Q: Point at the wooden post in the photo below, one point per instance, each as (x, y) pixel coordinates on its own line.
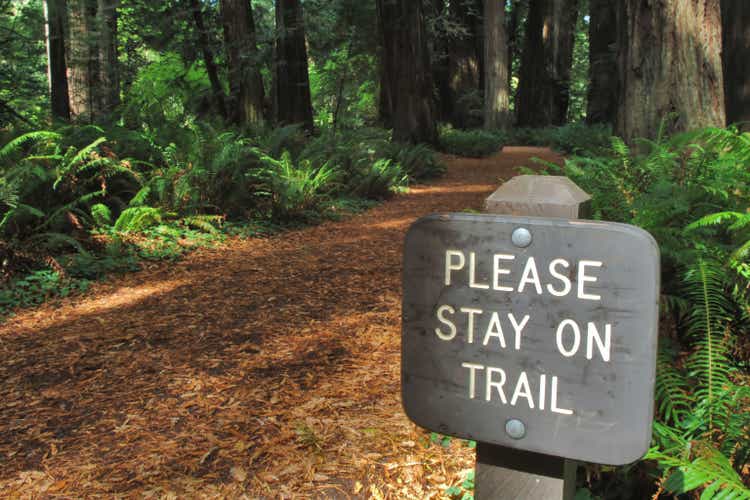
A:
(507, 473)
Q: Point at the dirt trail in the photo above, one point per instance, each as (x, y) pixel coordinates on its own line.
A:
(268, 367)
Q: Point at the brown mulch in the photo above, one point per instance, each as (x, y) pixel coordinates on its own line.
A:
(261, 368)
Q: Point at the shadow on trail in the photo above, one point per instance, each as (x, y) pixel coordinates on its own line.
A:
(178, 373)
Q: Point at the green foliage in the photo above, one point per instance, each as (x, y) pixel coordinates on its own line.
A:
(689, 465)
(576, 138)
(464, 489)
(379, 180)
(137, 219)
(419, 162)
(101, 215)
(296, 191)
(475, 143)
(36, 287)
(692, 192)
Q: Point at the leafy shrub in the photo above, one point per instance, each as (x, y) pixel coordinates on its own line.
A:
(377, 180)
(570, 138)
(475, 143)
(35, 288)
(692, 192)
(419, 162)
(137, 219)
(296, 191)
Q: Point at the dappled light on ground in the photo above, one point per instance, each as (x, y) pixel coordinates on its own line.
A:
(267, 367)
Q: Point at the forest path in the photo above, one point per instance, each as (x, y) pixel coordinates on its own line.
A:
(263, 366)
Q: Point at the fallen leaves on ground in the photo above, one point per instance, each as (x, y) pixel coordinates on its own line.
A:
(262, 368)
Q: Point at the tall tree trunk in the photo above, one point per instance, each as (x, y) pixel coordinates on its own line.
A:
(83, 60)
(411, 79)
(465, 61)
(440, 46)
(245, 81)
(544, 87)
(108, 88)
(496, 90)
(387, 11)
(669, 56)
(54, 14)
(602, 92)
(292, 82)
(208, 57)
(736, 60)
(514, 20)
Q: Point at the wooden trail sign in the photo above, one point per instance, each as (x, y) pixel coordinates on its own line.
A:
(532, 333)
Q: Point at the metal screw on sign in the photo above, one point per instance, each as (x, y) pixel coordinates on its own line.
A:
(521, 237)
(515, 428)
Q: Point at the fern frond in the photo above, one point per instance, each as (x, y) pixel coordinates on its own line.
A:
(19, 142)
(135, 219)
(204, 223)
(720, 218)
(705, 286)
(672, 388)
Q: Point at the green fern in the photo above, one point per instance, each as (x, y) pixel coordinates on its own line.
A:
(689, 467)
(674, 402)
(707, 324)
(16, 146)
(135, 219)
(101, 215)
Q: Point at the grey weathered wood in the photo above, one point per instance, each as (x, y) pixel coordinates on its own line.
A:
(504, 473)
(539, 195)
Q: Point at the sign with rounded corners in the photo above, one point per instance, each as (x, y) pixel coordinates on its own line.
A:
(532, 333)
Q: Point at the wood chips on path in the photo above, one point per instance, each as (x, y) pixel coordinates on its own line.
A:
(261, 368)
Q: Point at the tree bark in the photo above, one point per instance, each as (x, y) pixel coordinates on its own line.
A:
(208, 57)
(465, 61)
(292, 82)
(54, 14)
(669, 57)
(736, 60)
(496, 89)
(245, 81)
(513, 21)
(387, 12)
(544, 87)
(108, 88)
(408, 59)
(602, 92)
(83, 60)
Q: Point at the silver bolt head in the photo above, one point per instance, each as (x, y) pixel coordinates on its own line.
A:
(515, 428)
(521, 237)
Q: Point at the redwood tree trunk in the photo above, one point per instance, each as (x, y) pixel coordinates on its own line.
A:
(54, 13)
(292, 82)
(736, 59)
(496, 89)
(83, 60)
(669, 56)
(544, 87)
(93, 77)
(513, 22)
(108, 88)
(465, 55)
(413, 100)
(602, 93)
(208, 57)
(245, 81)
(387, 12)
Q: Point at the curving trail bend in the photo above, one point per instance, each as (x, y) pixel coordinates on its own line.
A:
(262, 368)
